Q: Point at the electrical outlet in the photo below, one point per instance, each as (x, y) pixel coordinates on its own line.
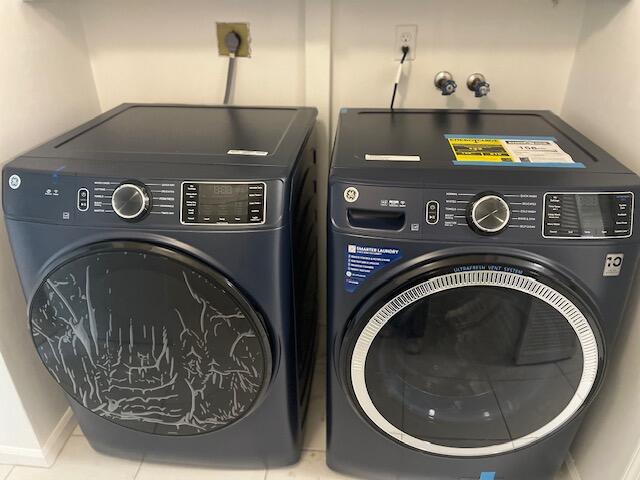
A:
(242, 29)
(405, 35)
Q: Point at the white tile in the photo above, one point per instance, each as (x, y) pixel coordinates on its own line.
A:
(155, 471)
(78, 461)
(4, 471)
(312, 466)
(316, 421)
(315, 436)
(77, 431)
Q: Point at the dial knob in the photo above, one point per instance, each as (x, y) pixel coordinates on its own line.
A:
(489, 214)
(131, 201)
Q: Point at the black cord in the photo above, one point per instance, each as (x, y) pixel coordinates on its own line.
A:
(405, 51)
(232, 41)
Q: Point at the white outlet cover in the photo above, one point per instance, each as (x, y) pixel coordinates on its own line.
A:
(405, 34)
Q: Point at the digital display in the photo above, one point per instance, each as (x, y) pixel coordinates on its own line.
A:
(223, 203)
(588, 215)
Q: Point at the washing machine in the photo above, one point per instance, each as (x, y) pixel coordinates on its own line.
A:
(168, 257)
(479, 267)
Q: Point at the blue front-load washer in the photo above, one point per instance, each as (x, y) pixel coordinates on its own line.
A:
(168, 257)
(479, 267)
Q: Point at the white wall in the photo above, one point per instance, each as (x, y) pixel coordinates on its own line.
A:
(166, 51)
(46, 86)
(525, 48)
(162, 50)
(608, 445)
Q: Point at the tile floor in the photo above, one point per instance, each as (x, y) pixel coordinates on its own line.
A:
(78, 461)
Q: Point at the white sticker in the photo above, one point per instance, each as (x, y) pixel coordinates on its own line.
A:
(15, 181)
(255, 153)
(613, 264)
(505, 151)
(351, 194)
(536, 151)
(393, 158)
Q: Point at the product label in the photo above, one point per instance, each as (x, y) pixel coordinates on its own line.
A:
(363, 261)
(253, 153)
(392, 158)
(613, 264)
(496, 150)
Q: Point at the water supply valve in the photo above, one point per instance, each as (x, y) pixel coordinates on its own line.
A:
(478, 85)
(445, 83)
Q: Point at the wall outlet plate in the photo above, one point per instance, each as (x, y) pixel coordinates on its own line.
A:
(405, 35)
(241, 29)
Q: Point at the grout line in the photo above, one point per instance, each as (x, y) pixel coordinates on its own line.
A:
(139, 468)
(634, 465)
(318, 450)
(6, 477)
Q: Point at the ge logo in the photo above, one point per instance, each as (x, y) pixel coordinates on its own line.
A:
(351, 194)
(613, 264)
(15, 181)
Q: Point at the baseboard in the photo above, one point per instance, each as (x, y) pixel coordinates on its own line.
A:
(45, 456)
(572, 468)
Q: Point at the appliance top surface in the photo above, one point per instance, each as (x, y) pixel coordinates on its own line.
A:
(422, 133)
(185, 134)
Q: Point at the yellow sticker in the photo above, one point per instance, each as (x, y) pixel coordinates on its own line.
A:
(479, 150)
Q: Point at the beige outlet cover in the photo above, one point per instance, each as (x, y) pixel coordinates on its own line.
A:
(241, 29)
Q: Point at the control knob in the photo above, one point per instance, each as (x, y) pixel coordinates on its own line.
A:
(488, 214)
(131, 201)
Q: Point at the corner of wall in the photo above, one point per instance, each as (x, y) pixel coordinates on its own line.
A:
(49, 90)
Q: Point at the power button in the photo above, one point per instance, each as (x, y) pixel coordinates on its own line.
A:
(83, 199)
(433, 212)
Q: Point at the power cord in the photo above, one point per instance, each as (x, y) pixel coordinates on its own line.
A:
(232, 41)
(405, 51)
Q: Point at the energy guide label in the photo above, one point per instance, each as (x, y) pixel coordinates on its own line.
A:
(497, 150)
(363, 261)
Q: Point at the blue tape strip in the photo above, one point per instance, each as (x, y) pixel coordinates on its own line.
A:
(501, 137)
(519, 164)
(488, 476)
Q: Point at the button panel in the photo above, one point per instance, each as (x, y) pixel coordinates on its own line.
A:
(433, 212)
(220, 203)
(588, 215)
(83, 199)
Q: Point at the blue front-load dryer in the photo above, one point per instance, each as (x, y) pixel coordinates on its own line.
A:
(168, 257)
(479, 267)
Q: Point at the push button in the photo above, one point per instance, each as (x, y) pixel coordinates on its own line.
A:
(83, 199)
(433, 212)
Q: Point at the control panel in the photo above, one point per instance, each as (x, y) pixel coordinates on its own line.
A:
(132, 200)
(490, 212)
(467, 213)
(146, 202)
(223, 203)
(588, 215)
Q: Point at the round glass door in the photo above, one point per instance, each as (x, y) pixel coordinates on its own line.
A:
(150, 339)
(473, 361)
